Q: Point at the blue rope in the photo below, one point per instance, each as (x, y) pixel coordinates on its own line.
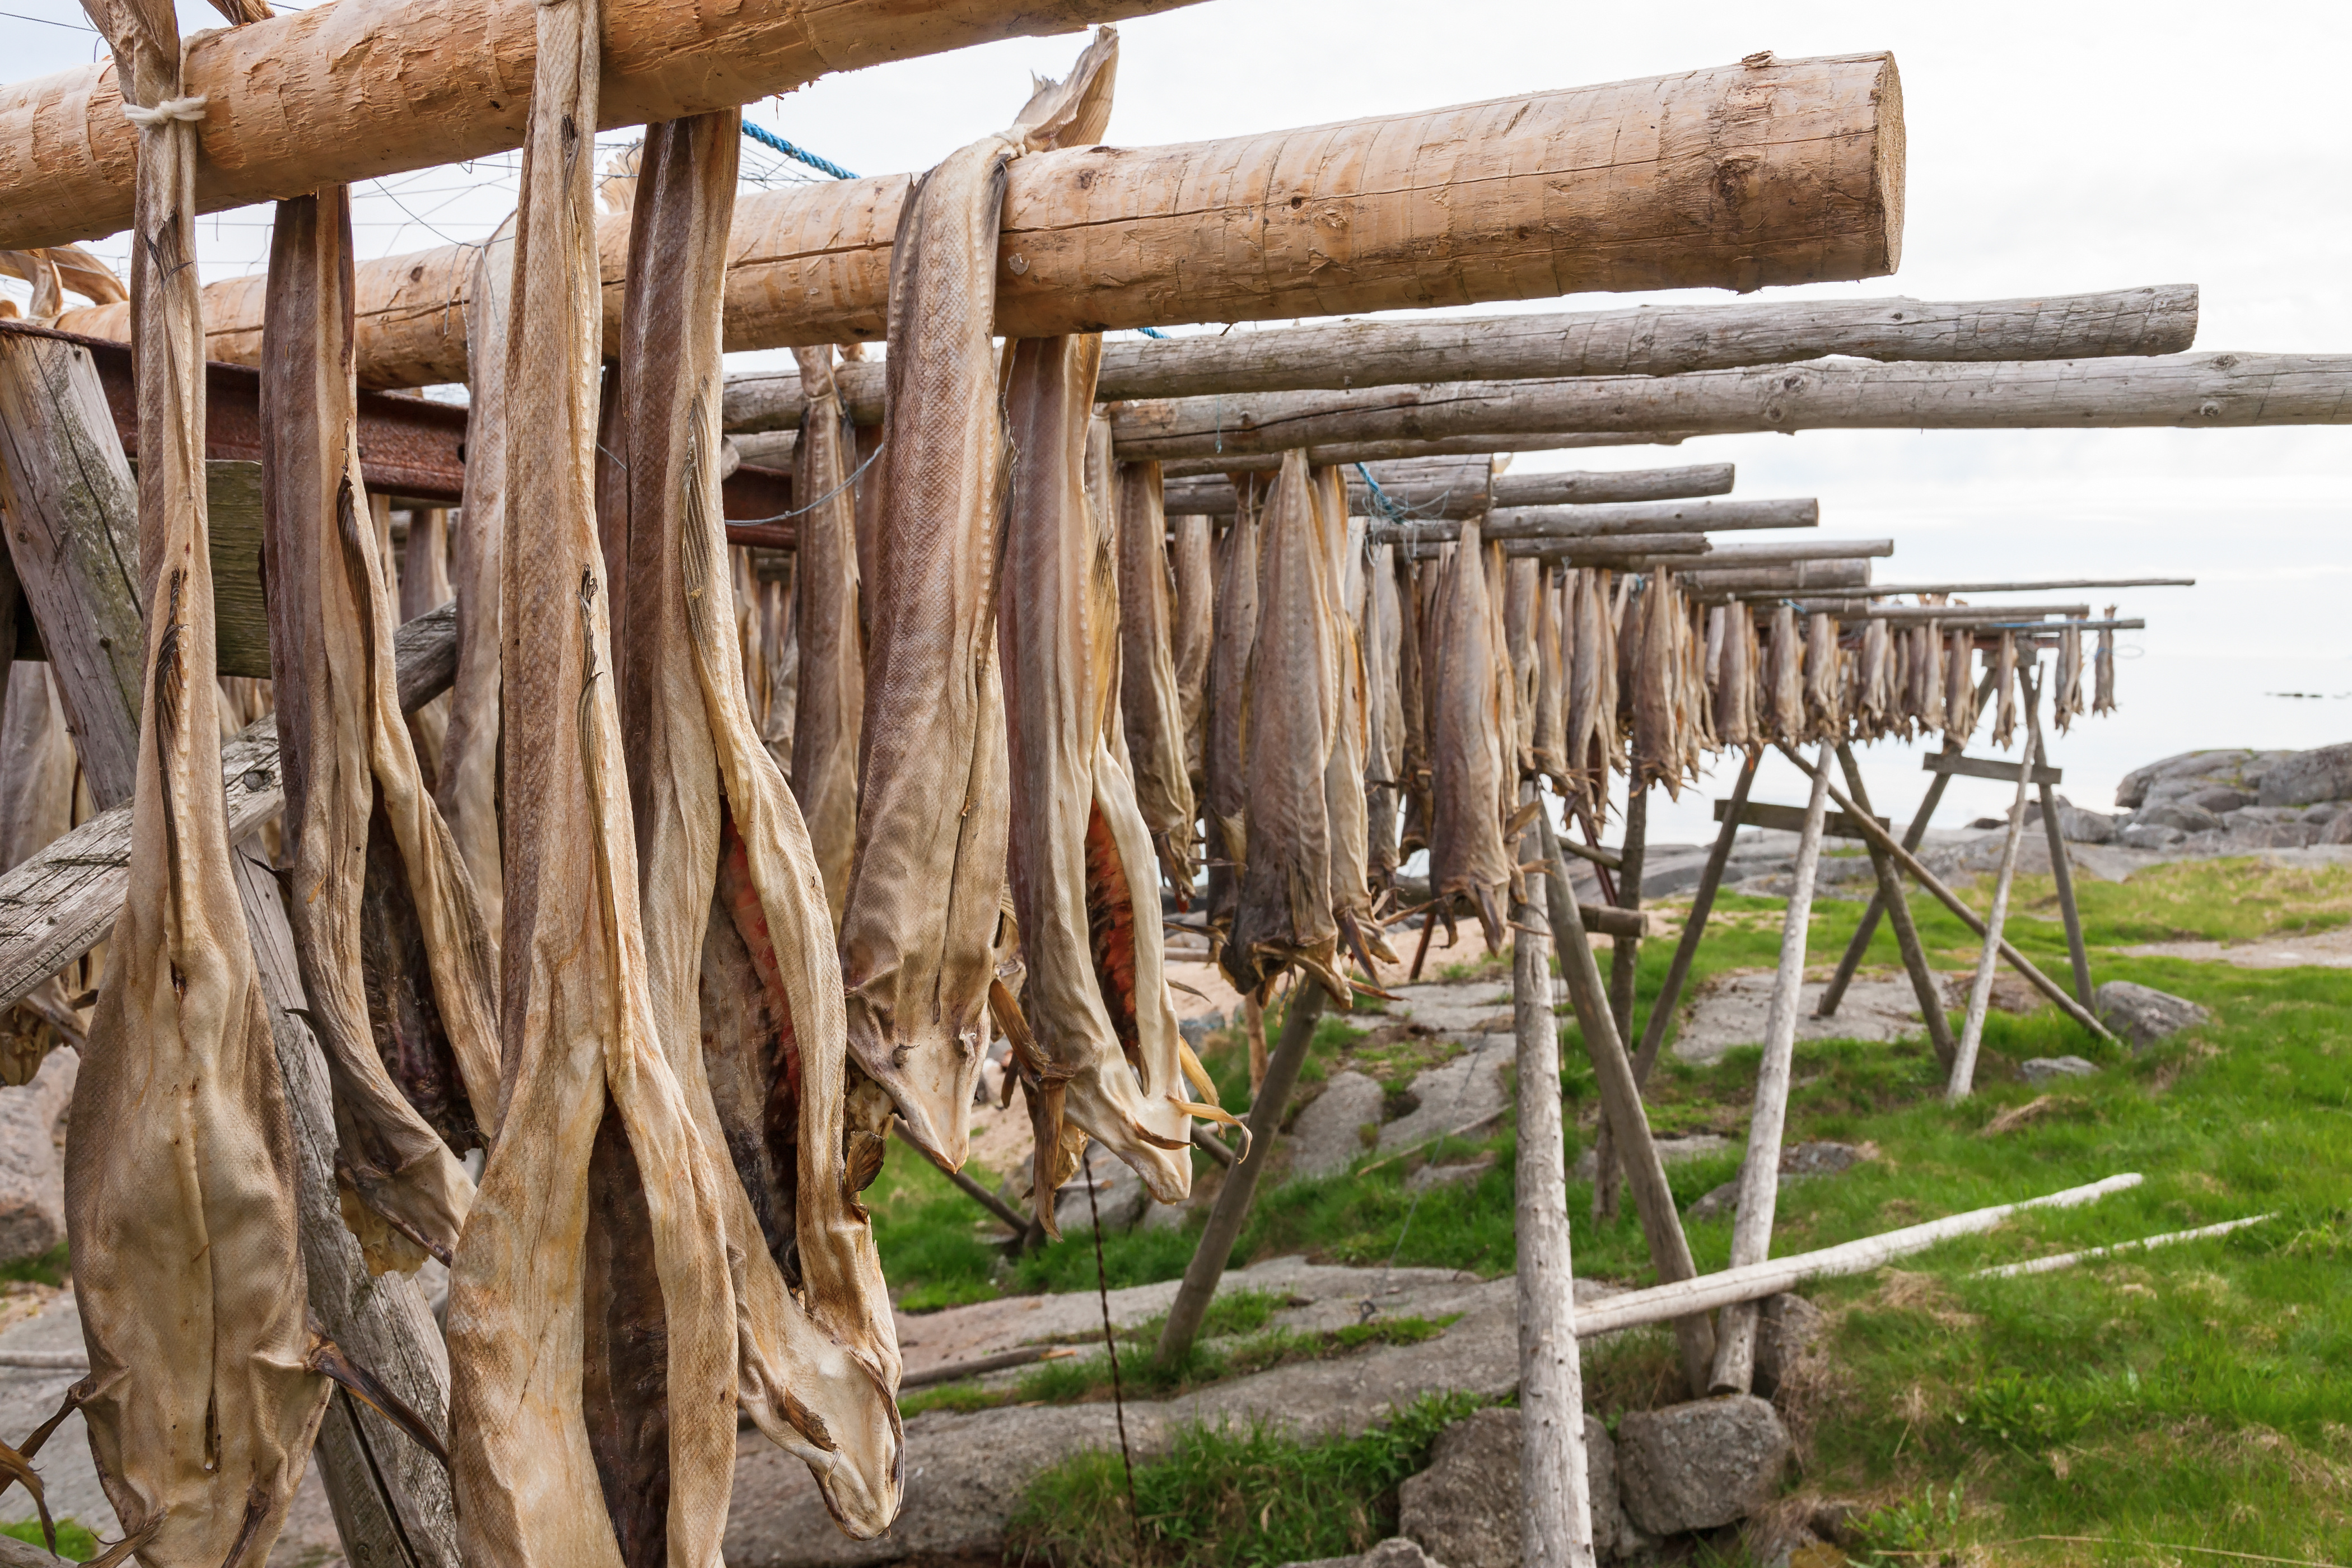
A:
(1152, 331)
(1395, 512)
(767, 138)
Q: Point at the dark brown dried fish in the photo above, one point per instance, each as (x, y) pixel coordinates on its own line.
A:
(1468, 765)
(1150, 700)
(1228, 777)
(1381, 631)
(829, 695)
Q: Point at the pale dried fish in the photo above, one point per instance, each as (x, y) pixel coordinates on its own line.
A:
(1468, 766)
(1150, 700)
(1549, 696)
(1228, 777)
(1824, 678)
(2066, 701)
(2004, 687)
(1193, 556)
(2103, 664)
(829, 695)
(1343, 775)
(1381, 631)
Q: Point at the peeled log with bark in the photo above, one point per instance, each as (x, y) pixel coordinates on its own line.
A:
(1670, 340)
(2204, 391)
(1771, 581)
(394, 954)
(376, 86)
(1736, 176)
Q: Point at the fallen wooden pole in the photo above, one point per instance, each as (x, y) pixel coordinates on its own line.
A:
(1664, 1303)
(1759, 1168)
(2202, 391)
(1270, 1099)
(1556, 1522)
(1960, 911)
(1621, 1107)
(1320, 220)
(1003, 1361)
(289, 109)
(2052, 1264)
(1964, 1060)
(1710, 880)
(1891, 898)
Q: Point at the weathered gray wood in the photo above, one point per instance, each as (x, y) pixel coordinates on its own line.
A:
(1834, 991)
(62, 901)
(1924, 988)
(1788, 551)
(1438, 495)
(1268, 1102)
(1957, 615)
(12, 599)
(1620, 1102)
(2219, 390)
(1710, 881)
(1650, 341)
(2048, 585)
(1637, 520)
(73, 531)
(2061, 870)
(1962, 1082)
(1345, 452)
(1759, 1170)
(1986, 768)
(1631, 551)
(1776, 582)
(1792, 818)
(233, 539)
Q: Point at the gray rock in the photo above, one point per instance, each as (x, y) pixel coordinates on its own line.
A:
(2226, 765)
(2338, 829)
(2077, 826)
(1327, 1132)
(2148, 835)
(2183, 815)
(2041, 1069)
(1120, 1195)
(1453, 1092)
(1820, 1158)
(2274, 834)
(1464, 1508)
(2143, 1014)
(1196, 1031)
(2302, 777)
(32, 1178)
(1787, 1330)
(1671, 1152)
(1430, 1177)
(1395, 1552)
(1694, 1466)
(2221, 799)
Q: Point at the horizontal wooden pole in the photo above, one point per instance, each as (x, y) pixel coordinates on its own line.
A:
(1737, 176)
(1777, 582)
(1791, 818)
(1343, 453)
(62, 900)
(1631, 521)
(1786, 551)
(1987, 768)
(2215, 391)
(1667, 340)
(1664, 1303)
(1960, 614)
(2053, 586)
(337, 94)
(1212, 495)
(1627, 553)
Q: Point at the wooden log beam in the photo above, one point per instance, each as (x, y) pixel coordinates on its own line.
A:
(1633, 552)
(1341, 453)
(2048, 585)
(342, 93)
(1739, 176)
(62, 901)
(1669, 340)
(1594, 522)
(1426, 489)
(2215, 391)
(1952, 615)
(1777, 582)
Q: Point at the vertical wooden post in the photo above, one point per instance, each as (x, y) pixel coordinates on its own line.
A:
(2060, 869)
(1624, 967)
(1620, 1106)
(11, 594)
(1891, 898)
(73, 518)
(1964, 1063)
(1662, 1011)
(1555, 1516)
(1760, 1173)
(1232, 1207)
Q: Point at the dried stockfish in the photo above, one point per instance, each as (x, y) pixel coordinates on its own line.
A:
(1150, 701)
(1657, 667)
(1927, 674)
(1824, 677)
(395, 955)
(466, 785)
(2102, 665)
(2004, 687)
(424, 586)
(585, 1060)
(1226, 805)
(829, 695)
(1874, 679)
(1415, 585)
(201, 1401)
(1381, 631)
(1788, 683)
(1103, 1053)
(1468, 763)
(744, 984)
(1191, 634)
(2066, 701)
(1551, 692)
(779, 640)
(916, 934)
(1593, 690)
(1960, 689)
(1735, 673)
(1290, 722)
(1345, 803)
(1522, 590)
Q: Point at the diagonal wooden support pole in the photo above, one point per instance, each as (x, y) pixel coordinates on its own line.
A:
(1662, 1011)
(2062, 870)
(1924, 984)
(1621, 1105)
(1964, 1059)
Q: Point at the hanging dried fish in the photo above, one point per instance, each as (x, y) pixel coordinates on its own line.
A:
(1825, 684)
(180, 1163)
(424, 586)
(393, 953)
(1928, 666)
(1192, 631)
(1959, 687)
(1382, 630)
(1416, 587)
(1873, 679)
(2066, 705)
(2004, 686)
(1343, 776)
(1468, 761)
(2103, 665)
(1593, 692)
(1787, 684)
(466, 785)
(538, 1294)
(1550, 694)
(829, 692)
(1290, 723)
(1150, 702)
(1226, 807)
(1735, 686)
(917, 933)
(743, 982)
(780, 640)
(1522, 586)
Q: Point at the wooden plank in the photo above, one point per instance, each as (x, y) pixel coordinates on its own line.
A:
(1736, 176)
(1791, 818)
(1986, 768)
(56, 905)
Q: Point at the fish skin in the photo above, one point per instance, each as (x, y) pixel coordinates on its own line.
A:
(1522, 586)
(1228, 779)
(1381, 631)
(1290, 716)
(1150, 700)
(1192, 632)
(1468, 763)
(1825, 679)
(829, 698)
(1549, 732)
(1416, 591)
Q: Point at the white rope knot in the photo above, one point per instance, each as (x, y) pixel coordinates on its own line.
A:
(164, 113)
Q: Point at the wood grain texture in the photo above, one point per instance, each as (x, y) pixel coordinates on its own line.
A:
(1347, 453)
(60, 902)
(345, 92)
(1736, 177)
(2202, 391)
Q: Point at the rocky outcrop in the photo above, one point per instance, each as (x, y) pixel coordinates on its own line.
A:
(1695, 1466)
(1464, 1508)
(1328, 1132)
(2236, 802)
(2142, 1014)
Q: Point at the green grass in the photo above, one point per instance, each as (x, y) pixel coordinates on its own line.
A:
(2194, 1395)
(54, 1267)
(75, 1542)
(1237, 1496)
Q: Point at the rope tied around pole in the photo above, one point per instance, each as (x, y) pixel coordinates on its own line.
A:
(166, 112)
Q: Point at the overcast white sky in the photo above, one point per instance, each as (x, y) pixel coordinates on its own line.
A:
(2052, 148)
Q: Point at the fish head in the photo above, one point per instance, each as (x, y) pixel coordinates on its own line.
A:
(840, 1418)
(1152, 1133)
(931, 1073)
